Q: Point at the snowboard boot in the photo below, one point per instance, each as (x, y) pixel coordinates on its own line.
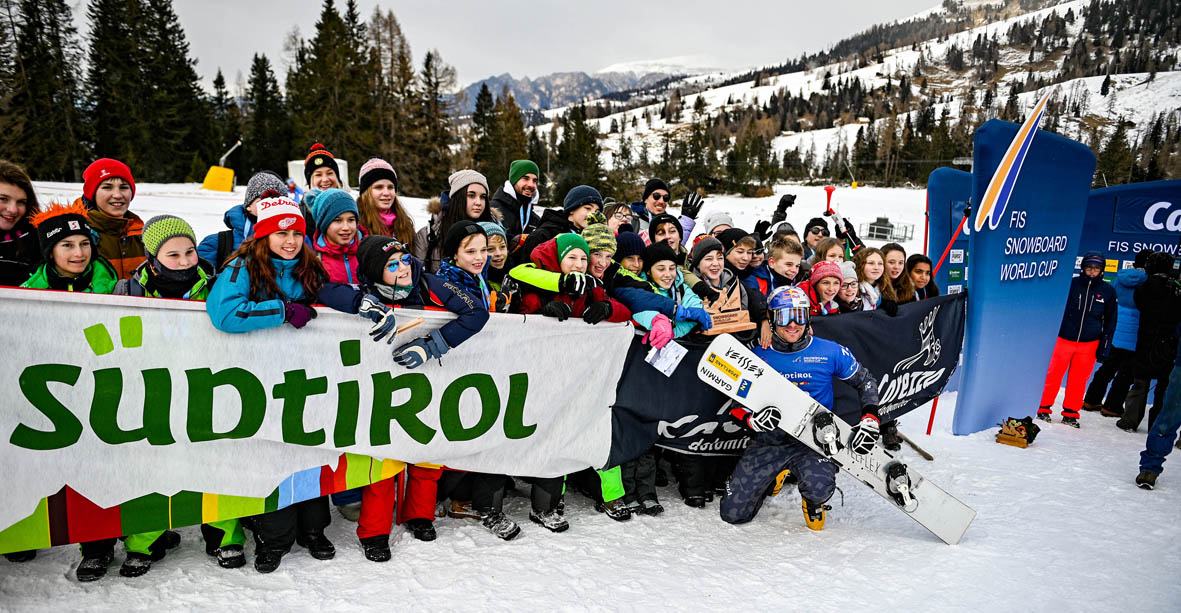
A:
(814, 514)
(1092, 407)
(93, 568)
(890, 438)
(422, 529)
(784, 478)
(17, 557)
(136, 564)
(231, 556)
(317, 544)
(499, 524)
(1146, 480)
(377, 548)
(350, 511)
(651, 507)
(267, 560)
(697, 502)
(462, 509)
(550, 520)
(1111, 411)
(615, 509)
(1045, 414)
(1070, 421)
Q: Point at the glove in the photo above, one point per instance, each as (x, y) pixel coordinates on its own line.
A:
(706, 292)
(418, 351)
(866, 432)
(696, 314)
(762, 230)
(573, 285)
(597, 312)
(764, 420)
(382, 317)
(889, 306)
(553, 308)
(660, 333)
(298, 314)
(691, 206)
(785, 202)
(1102, 353)
(850, 236)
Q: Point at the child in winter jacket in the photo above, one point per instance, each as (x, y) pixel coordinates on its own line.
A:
(823, 283)
(66, 239)
(896, 272)
(19, 253)
(107, 194)
(272, 279)
(217, 247)
(876, 290)
(1087, 326)
(919, 271)
(466, 199)
(381, 211)
(1123, 344)
(667, 280)
(708, 261)
(849, 295)
(337, 236)
(498, 264)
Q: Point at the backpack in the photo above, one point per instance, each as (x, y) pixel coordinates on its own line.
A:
(225, 248)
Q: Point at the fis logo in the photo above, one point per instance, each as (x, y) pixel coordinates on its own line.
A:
(1000, 187)
(743, 388)
(723, 366)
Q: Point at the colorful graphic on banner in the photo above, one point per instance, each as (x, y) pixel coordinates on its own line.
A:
(995, 200)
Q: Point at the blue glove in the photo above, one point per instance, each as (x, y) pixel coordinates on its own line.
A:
(418, 351)
(696, 314)
(382, 317)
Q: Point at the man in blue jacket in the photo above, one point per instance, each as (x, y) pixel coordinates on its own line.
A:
(1088, 324)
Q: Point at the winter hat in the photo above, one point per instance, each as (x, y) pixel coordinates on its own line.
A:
(161, 228)
(599, 238)
(459, 231)
(717, 218)
(784, 228)
(463, 178)
(567, 242)
(664, 218)
(580, 195)
(102, 169)
(653, 185)
(730, 237)
(373, 252)
(374, 170)
(703, 248)
(520, 168)
(657, 252)
(1142, 258)
(823, 269)
(848, 271)
(628, 244)
(276, 213)
(328, 204)
(261, 182)
(57, 222)
(318, 157)
(1093, 258)
(816, 222)
(491, 228)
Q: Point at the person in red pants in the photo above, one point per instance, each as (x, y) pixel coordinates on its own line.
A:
(1088, 324)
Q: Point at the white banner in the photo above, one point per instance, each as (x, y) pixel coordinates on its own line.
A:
(118, 397)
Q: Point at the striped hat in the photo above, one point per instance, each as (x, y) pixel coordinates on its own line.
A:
(159, 229)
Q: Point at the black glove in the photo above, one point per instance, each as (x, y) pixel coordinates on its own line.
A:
(706, 292)
(691, 206)
(573, 285)
(785, 202)
(850, 237)
(890, 307)
(762, 230)
(597, 312)
(554, 308)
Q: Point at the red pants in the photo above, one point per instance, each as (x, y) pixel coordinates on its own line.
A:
(379, 499)
(1079, 358)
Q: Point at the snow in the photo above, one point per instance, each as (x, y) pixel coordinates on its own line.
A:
(1060, 525)
(680, 64)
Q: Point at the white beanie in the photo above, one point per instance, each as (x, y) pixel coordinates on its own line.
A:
(848, 270)
(717, 218)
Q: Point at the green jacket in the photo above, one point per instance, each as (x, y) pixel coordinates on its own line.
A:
(140, 282)
(98, 278)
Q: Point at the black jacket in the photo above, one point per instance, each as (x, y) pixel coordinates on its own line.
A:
(510, 208)
(553, 223)
(20, 254)
(1159, 301)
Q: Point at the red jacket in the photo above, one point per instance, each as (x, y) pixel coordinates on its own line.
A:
(545, 257)
(817, 308)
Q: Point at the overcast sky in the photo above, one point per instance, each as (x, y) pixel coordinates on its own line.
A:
(481, 38)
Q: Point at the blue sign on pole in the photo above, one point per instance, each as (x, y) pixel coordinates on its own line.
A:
(948, 193)
(1124, 219)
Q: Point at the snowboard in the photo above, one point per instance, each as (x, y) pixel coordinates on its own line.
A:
(730, 367)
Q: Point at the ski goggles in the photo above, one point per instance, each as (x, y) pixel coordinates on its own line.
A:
(797, 315)
(393, 266)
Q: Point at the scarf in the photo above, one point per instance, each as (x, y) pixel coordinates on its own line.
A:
(393, 293)
(387, 217)
(473, 284)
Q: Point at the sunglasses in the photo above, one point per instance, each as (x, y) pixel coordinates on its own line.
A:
(820, 231)
(797, 315)
(659, 197)
(393, 266)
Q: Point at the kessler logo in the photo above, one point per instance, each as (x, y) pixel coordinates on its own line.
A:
(1000, 188)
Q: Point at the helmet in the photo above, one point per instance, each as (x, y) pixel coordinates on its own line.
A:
(788, 304)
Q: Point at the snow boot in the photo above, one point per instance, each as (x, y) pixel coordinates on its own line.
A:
(1111, 411)
(267, 560)
(550, 520)
(1070, 421)
(421, 529)
(651, 507)
(1045, 414)
(462, 509)
(166, 541)
(318, 545)
(350, 511)
(231, 556)
(377, 548)
(615, 509)
(136, 564)
(499, 524)
(17, 557)
(1122, 426)
(1092, 407)
(1146, 480)
(890, 438)
(636, 507)
(697, 502)
(784, 478)
(93, 568)
(814, 514)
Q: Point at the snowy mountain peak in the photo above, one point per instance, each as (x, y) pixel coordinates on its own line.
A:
(681, 64)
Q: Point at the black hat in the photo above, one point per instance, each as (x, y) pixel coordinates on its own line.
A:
(814, 222)
(1142, 258)
(665, 218)
(59, 221)
(628, 244)
(455, 235)
(730, 237)
(653, 185)
(657, 252)
(1158, 263)
(318, 157)
(373, 253)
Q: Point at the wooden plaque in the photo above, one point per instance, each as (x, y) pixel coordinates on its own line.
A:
(728, 315)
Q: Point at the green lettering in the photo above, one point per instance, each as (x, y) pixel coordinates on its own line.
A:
(449, 418)
(514, 410)
(104, 407)
(406, 413)
(66, 427)
(294, 391)
(202, 382)
(348, 398)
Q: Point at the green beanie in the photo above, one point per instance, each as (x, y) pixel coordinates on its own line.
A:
(160, 228)
(568, 241)
(520, 168)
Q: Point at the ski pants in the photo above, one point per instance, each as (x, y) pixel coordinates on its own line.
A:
(486, 490)
(378, 500)
(1079, 358)
(698, 475)
(1163, 432)
(639, 478)
(219, 534)
(1116, 370)
(1138, 400)
(769, 453)
(277, 530)
(132, 543)
(546, 493)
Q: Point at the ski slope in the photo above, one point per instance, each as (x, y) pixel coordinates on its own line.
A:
(1060, 525)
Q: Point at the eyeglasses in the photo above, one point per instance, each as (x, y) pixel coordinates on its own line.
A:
(797, 315)
(622, 215)
(393, 266)
(818, 230)
(849, 285)
(658, 197)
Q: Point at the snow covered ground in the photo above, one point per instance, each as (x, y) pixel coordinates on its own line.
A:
(1060, 525)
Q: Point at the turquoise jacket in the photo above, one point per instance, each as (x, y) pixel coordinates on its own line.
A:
(232, 310)
(681, 294)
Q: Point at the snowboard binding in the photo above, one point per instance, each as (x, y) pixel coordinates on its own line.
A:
(898, 484)
(825, 433)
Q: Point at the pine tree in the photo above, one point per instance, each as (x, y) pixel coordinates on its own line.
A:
(227, 123)
(119, 95)
(1116, 160)
(537, 151)
(437, 79)
(511, 143)
(577, 160)
(268, 134)
(399, 130)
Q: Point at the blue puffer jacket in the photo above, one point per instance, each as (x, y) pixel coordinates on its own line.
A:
(230, 307)
(236, 220)
(1090, 312)
(1128, 322)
